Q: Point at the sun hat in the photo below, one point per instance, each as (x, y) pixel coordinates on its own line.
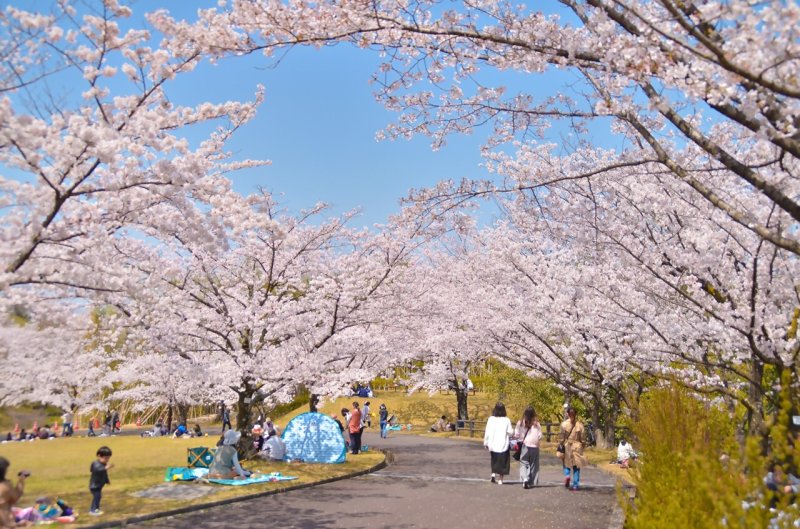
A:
(231, 438)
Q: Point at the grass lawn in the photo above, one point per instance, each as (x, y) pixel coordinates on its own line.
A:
(60, 467)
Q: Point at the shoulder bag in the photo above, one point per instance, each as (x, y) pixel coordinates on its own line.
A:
(518, 450)
(561, 448)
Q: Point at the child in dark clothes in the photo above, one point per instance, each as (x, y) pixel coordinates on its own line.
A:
(99, 470)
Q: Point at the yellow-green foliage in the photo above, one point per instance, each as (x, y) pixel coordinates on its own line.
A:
(695, 474)
(682, 475)
(518, 391)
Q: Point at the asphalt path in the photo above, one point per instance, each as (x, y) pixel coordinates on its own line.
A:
(431, 483)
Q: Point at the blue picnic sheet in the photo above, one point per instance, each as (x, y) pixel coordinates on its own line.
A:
(189, 474)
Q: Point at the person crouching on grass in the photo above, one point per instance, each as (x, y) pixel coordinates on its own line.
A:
(99, 479)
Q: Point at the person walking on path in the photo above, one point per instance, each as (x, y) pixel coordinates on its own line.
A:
(496, 440)
(383, 415)
(529, 433)
(226, 418)
(571, 437)
(355, 427)
(99, 478)
(9, 494)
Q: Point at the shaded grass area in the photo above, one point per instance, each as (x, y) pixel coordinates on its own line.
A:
(60, 468)
(26, 415)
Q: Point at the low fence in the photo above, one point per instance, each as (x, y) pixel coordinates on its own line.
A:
(550, 430)
(402, 387)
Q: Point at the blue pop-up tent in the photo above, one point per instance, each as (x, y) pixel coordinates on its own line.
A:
(314, 438)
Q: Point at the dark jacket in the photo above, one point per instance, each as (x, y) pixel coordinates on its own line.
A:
(99, 475)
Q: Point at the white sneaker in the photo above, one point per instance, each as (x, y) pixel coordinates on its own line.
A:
(95, 513)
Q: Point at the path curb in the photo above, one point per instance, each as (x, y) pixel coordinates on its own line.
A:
(388, 458)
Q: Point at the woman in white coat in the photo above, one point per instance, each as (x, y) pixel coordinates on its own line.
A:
(496, 440)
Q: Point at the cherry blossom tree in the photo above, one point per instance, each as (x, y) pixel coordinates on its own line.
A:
(700, 196)
(108, 154)
(54, 364)
(447, 324)
(274, 301)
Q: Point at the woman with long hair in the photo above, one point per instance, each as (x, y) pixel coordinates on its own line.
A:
(529, 433)
(496, 440)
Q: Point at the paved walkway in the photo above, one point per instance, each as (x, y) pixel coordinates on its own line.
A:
(432, 483)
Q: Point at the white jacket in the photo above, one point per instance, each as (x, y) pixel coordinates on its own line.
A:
(625, 452)
(498, 432)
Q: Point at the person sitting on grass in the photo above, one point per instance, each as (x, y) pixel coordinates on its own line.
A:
(779, 481)
(180, 431)
(226, 460)
(275, 448)
(258, 437)
(197, 432)
(440, 425)
(626, 455)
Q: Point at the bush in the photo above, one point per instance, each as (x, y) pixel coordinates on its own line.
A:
(693, 472)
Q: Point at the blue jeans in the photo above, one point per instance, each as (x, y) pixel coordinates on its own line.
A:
(576, 475)
(96, 495)
(384, 432)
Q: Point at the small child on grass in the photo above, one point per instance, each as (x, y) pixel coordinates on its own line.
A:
(99, 470)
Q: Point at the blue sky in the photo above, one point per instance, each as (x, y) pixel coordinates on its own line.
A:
(318, 123)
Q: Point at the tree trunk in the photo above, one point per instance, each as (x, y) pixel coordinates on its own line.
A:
(461, 401)
(183, 413)
(169, 417)
(244, 418)
(606, 435)
(755, 417)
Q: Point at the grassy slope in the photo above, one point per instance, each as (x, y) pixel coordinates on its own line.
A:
(420, 409)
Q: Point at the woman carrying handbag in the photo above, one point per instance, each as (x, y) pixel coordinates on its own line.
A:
(571, 437)
(529, 433)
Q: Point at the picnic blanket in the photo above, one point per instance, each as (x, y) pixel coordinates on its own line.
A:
(255, 478)
(190, 474)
